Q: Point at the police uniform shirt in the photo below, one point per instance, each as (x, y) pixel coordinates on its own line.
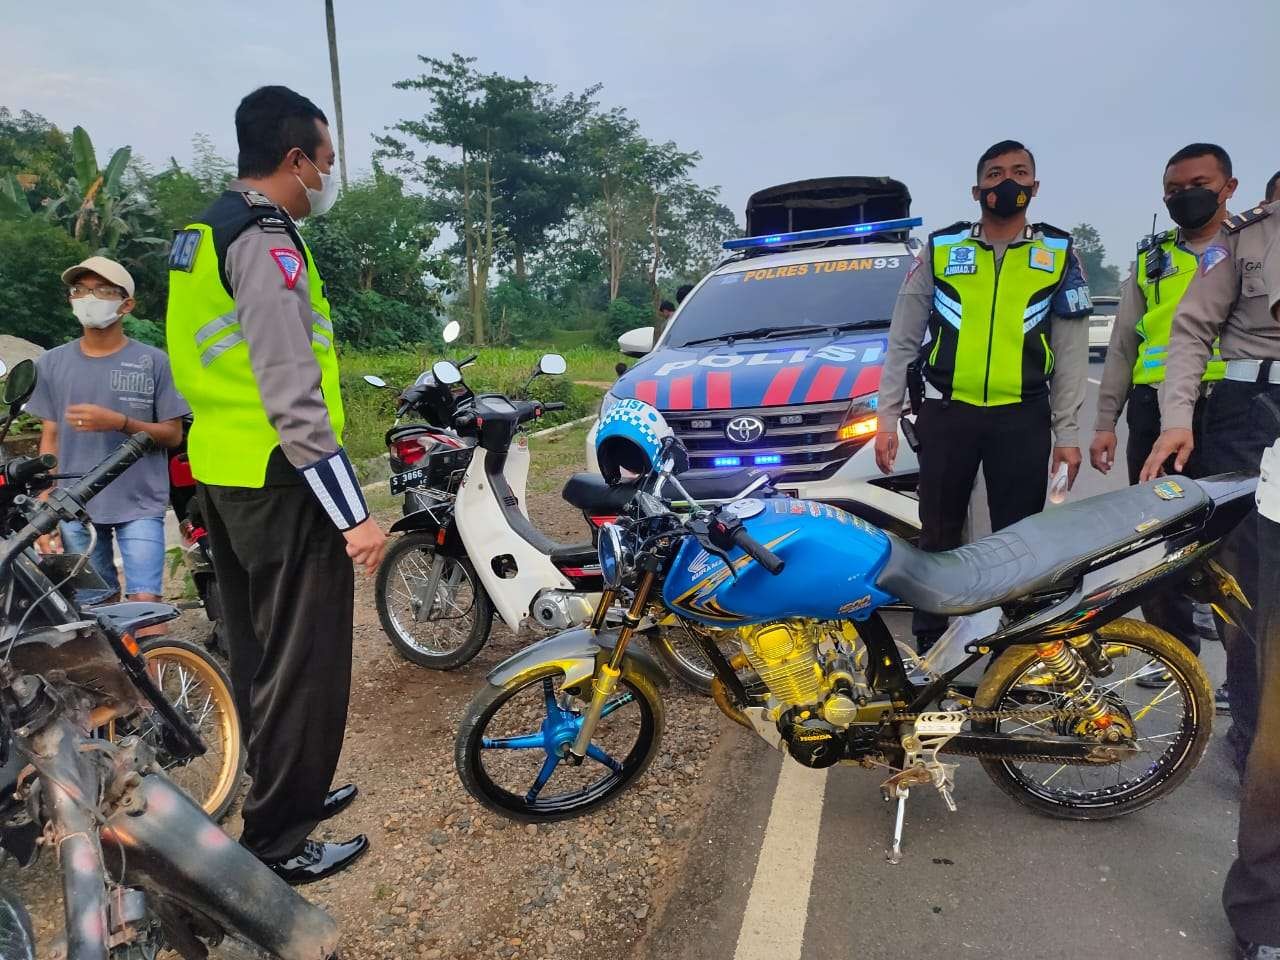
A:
(1234, 297)
(1069, 340)
(276, 322)
(1122, 351)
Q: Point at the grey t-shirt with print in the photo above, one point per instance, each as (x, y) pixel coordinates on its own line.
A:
(136, 381)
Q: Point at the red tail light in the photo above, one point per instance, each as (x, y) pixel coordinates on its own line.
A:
(411, 451)
(601, 521)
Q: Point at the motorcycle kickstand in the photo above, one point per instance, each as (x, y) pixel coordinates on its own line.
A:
(894, 854)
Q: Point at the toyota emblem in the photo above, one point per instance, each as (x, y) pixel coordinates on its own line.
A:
(744, 429)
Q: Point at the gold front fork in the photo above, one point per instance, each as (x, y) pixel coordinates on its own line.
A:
(608, 674)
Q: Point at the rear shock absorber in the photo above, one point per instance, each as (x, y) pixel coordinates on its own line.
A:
(1068, 670)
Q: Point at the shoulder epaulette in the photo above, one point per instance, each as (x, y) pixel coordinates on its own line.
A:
(960, 226)
(1154, 240)
(255, 199)
(1049, 230)
(1241, 220)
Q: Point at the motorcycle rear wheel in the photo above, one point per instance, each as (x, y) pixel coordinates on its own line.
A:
(530, 759)
(442, 643)
(1185, 704)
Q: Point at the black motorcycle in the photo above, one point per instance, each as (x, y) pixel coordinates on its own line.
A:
(143, 867)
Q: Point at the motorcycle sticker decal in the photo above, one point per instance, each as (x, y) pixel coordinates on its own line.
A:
(1169, 490)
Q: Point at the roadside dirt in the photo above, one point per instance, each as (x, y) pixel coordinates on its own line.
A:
(446, 879)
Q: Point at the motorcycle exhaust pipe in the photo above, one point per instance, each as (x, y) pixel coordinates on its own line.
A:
(721, 696)
(164, 843)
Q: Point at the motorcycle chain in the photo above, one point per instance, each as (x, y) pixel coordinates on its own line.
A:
(1027, 713)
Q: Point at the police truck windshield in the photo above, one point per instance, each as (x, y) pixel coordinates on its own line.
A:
(829, 293)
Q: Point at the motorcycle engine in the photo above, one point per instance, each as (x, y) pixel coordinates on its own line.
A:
(823, 709)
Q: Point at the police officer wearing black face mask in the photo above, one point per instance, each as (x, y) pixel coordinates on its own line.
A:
(1197, 185)
(999, 306)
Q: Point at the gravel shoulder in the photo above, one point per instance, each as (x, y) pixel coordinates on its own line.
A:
(447, 879)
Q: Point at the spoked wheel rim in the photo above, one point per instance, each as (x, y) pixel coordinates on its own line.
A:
(200, 694)
(519, 760)
(434, 623)
(1163, 723)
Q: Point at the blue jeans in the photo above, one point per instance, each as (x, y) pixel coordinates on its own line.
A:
(141, 544)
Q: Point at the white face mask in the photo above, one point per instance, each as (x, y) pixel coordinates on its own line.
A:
(94, 313)
(321, 200)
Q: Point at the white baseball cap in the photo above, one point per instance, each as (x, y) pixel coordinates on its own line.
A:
(106, 269)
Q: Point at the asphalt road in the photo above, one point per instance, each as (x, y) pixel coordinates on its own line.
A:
(790, 863)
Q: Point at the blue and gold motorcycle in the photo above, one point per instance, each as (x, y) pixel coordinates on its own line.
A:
(1057, 719)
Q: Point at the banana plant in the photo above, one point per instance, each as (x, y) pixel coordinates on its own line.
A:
(13, 199)
(94, 206)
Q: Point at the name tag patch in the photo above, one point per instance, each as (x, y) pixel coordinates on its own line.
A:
(182, 254)
(1042, 259)
(960, 260)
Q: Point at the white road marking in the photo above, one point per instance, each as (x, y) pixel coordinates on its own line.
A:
(1096, 383)
(773, 923)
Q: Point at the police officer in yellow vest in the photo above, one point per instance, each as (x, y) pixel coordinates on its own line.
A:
(1003, 302)
(251, 343)
(1197, 185)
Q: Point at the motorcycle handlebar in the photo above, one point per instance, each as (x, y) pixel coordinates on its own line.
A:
(553, 406)
(19, 473)
(120, 460)
(758, 551)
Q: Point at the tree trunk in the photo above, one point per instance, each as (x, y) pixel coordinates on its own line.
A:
(613, 239)
(657, 255)
(337, 90)
(468, 234)
(484, 258)
(521, 275)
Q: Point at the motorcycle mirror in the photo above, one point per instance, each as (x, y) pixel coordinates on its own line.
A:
(373, 381)
(20, 385)
(446, 372)
(552, 364)
(451, 331)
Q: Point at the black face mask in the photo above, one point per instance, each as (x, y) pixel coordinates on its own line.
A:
(1192, 208)
(1006, 199)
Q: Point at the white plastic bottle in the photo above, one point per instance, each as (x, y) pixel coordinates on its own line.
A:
(1058, 485)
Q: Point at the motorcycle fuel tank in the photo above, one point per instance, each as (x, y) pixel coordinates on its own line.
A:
(832, 561)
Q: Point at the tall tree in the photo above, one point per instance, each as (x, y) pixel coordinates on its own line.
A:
(490, 149)
(1103, 277)
(337, 89)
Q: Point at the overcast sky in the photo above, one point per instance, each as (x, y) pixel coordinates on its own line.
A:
(1102, 90)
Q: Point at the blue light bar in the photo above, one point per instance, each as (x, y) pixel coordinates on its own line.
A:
(766, 459)
(727, 462)
(825, 233)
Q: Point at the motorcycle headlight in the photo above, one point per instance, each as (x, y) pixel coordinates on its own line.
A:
(612, 556)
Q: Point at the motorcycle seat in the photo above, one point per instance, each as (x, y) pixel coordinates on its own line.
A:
(590, 492)
(134, 615)
(1039, 553)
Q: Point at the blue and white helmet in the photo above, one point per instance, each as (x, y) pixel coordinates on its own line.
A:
(630, 438)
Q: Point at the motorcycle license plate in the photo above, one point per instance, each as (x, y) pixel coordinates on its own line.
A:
(401, 482)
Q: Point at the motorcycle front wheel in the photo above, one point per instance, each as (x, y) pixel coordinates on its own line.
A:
(1171, 724)
(433, 608)
(511, 751)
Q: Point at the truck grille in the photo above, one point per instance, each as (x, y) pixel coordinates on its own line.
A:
(805, 438)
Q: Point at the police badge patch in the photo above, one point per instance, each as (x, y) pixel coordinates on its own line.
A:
(960, 260)
(182, 254)
(1043, 259)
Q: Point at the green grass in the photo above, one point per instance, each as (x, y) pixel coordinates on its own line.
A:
(550, 456)
(370, 411)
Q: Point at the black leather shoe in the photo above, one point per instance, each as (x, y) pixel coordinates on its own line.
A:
(338, 800)
(317, 860)
(1256, 951)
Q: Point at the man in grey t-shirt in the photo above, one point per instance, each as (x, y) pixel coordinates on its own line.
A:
(91, 394)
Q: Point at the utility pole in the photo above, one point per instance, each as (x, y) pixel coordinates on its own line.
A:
(337, 90)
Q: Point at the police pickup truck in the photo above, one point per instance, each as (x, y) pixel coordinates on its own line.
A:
(774, 359)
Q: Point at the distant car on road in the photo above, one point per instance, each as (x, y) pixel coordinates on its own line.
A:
(1100, 324)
